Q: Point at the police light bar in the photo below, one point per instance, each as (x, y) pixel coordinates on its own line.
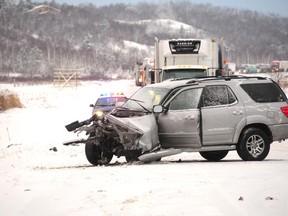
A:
(184, 46)
(117, 94)
(111, 94)
(104, 94)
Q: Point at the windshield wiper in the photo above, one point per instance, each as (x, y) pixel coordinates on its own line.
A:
(139, 103)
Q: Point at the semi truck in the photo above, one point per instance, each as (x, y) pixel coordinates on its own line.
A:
(180, 59)
(187, 58)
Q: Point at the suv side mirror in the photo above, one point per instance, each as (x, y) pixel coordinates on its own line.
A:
(91, 105)
(158, 109)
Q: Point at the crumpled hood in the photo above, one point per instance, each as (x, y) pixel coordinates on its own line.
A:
(138, 132)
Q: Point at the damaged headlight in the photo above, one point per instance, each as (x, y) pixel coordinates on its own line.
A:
(99, 114)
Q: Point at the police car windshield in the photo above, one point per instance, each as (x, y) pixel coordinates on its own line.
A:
(109, 101)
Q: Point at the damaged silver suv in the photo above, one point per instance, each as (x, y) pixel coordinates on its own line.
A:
(211, 116)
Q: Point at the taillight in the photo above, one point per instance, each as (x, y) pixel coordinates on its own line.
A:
(285, 110)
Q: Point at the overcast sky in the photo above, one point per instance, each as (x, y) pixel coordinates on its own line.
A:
(279, 7)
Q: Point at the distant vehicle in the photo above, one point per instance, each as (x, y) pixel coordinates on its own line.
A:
(275, 66)
(107, 102)
(279, 66)
(229, 68)
(263, 68)
(242, 70)
(251, 69)
(145, 72)
(283, 67)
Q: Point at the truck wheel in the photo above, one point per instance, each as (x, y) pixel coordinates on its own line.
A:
(214, 155)
(94, 155)
(253, 145)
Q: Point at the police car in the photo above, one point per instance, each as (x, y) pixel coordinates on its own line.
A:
(107, 102)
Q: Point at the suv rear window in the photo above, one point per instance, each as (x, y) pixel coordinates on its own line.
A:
(264, 92)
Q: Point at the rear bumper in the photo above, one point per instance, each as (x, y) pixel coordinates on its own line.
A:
(279, 132)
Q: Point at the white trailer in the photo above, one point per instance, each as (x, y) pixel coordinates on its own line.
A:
(187, 58)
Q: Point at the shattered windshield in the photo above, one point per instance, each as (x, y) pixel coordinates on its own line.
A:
(147, 97)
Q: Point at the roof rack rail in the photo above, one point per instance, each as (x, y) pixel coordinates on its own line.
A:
(226, 78)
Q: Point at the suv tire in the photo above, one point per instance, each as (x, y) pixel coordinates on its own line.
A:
(94, 155)
(253, 145)
(214, 155)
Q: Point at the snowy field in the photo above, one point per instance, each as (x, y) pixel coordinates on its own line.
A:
(35, 180)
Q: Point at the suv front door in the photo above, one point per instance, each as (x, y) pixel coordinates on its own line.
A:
(179, 125)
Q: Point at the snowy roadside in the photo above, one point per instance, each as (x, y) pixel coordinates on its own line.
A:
(38, 181)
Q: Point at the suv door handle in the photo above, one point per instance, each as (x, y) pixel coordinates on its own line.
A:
(190, 117)
(237, 112)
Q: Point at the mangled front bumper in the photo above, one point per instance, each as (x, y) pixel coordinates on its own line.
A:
(138, 132)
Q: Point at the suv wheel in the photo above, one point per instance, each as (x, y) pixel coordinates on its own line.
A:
(94, 155)
(253, 145)
(214, 155)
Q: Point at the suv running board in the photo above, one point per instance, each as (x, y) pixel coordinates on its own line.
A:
(154, 156)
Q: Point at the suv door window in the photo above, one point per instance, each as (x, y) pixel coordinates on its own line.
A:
(217, 95)
(188, 99)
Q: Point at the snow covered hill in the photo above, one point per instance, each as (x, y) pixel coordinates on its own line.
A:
(160, 26)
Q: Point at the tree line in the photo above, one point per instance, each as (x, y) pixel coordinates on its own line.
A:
(93, 38)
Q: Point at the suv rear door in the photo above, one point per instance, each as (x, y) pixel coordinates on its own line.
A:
(221, 114)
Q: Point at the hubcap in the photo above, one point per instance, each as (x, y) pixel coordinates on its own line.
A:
(255, 145)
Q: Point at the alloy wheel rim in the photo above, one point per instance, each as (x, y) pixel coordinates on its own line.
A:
(255, 145)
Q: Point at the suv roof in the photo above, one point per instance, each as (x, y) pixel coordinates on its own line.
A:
(172, 83)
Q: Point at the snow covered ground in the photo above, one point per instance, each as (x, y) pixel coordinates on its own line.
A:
(35, 180)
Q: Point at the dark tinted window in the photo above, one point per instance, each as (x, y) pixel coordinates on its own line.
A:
(217, 95)
(264, 92)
